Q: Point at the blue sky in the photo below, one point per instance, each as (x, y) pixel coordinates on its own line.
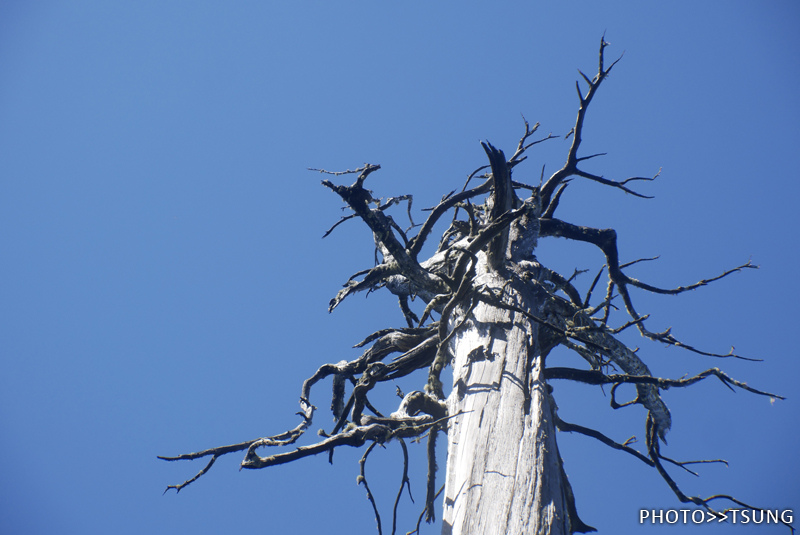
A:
(163, 284)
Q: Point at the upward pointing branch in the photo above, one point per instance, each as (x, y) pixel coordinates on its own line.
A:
(502, 202)
(571, 166)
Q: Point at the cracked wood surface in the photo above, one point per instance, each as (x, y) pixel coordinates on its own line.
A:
(503, 442)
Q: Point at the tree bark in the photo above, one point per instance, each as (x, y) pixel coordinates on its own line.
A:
(504, 472)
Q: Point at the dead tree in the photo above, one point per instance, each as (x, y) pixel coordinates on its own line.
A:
(484, 305)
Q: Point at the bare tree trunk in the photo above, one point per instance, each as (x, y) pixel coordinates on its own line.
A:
(504, 472)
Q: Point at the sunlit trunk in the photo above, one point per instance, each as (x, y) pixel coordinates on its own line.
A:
(504, 471)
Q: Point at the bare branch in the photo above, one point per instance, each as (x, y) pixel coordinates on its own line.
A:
(404, 483)
(374, 278)
(551, 208)
(358, 198)
(430, 496)
(596, 377)
(282, 439)
(419, 240)
(588, 297)
(356, 436)
(366, 167)
(681, 289)
(362, 480)
(618, 185)
(570, 167)
(192, 480)
(589, 432)
(342, 220)
(518, 157)
(606, 241)
(424, 513)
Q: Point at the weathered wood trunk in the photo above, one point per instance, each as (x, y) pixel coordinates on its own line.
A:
(504, 473)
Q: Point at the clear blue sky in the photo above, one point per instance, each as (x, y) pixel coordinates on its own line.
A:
(163, 284)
